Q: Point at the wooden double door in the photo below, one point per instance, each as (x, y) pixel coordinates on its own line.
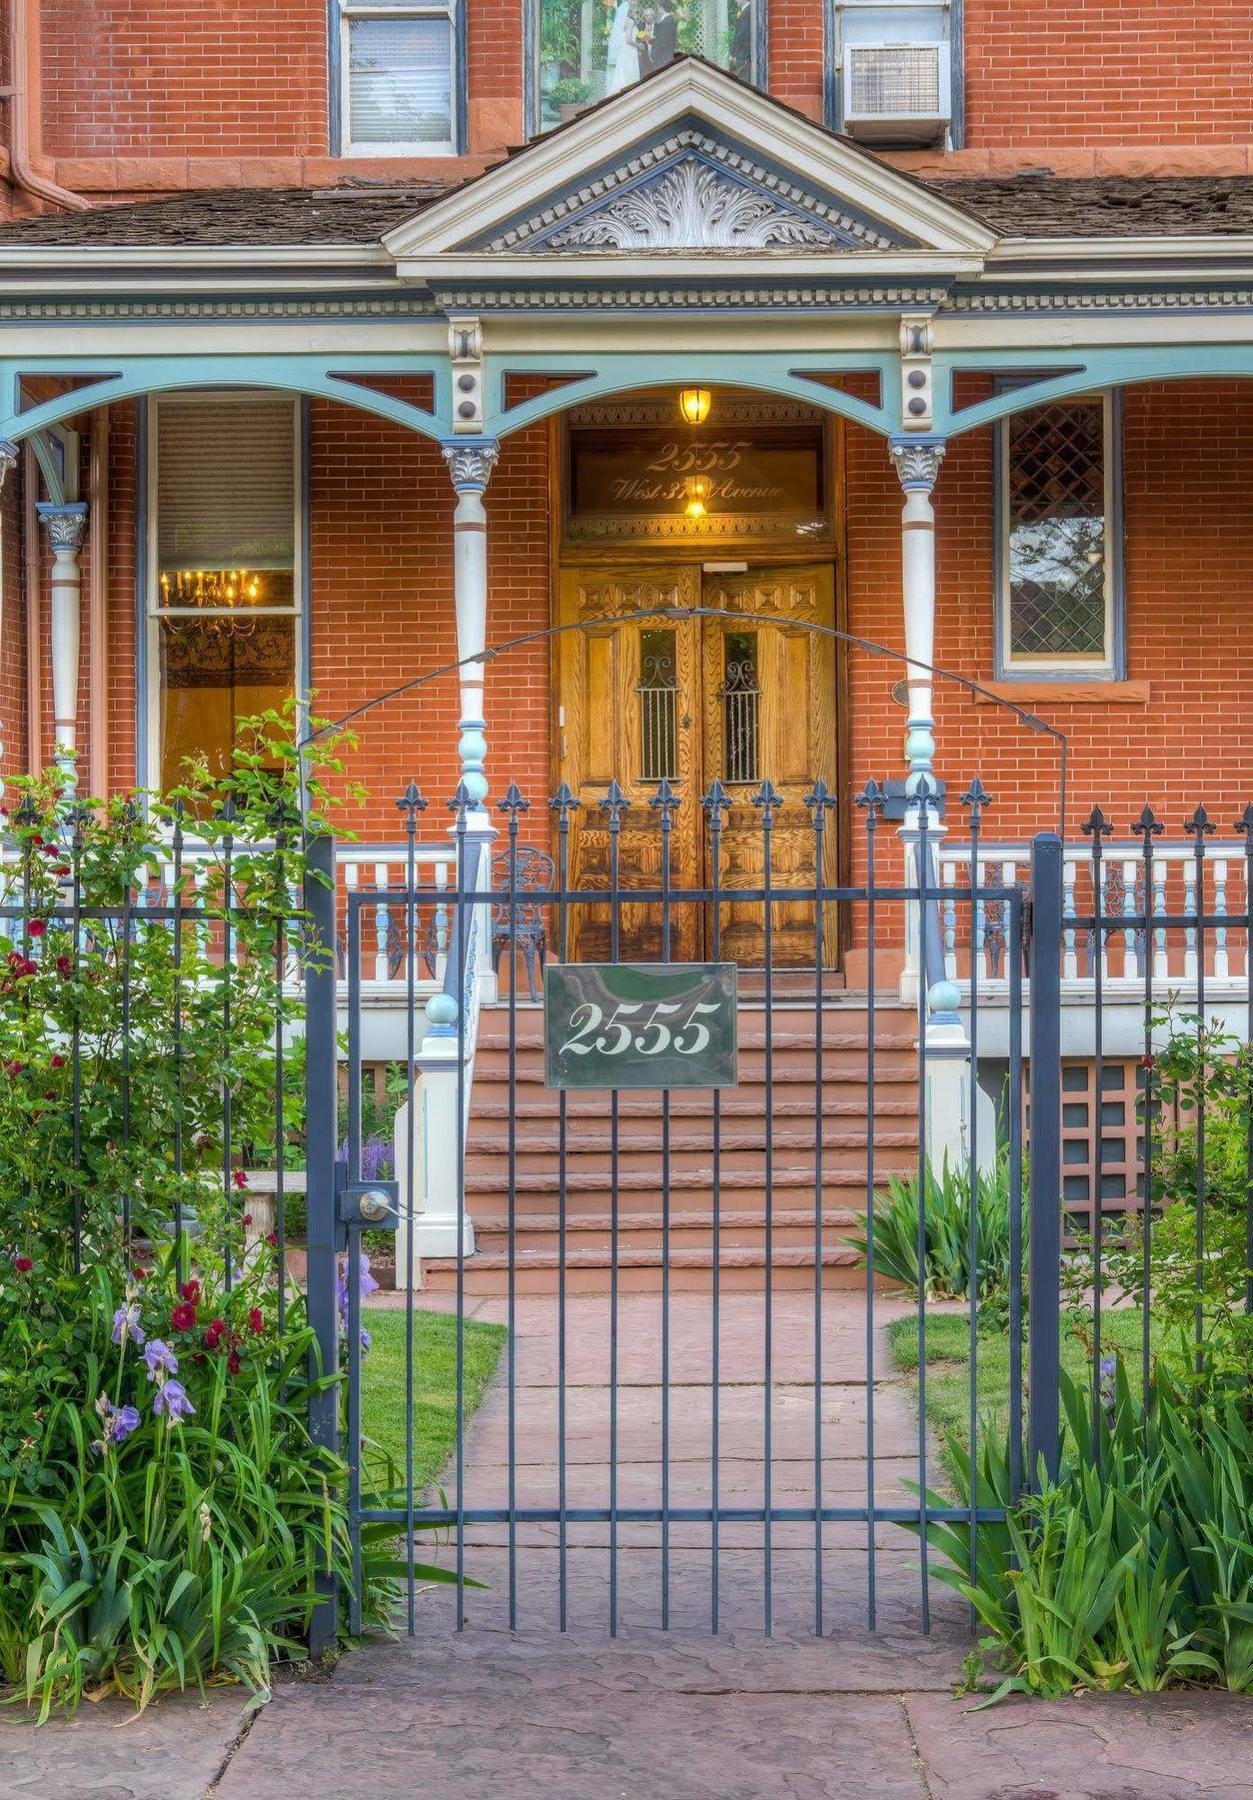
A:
(745, 697)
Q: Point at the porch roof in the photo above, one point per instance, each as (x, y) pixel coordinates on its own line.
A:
(1039, 206)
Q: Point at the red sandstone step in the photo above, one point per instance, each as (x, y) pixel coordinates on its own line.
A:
(691, 1271)
(791, 1229)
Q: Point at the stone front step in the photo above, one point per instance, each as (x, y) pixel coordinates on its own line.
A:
(640, 1271)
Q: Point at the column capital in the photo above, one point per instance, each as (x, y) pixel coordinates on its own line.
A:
(9, 453)
(917, 462)
(470, 465)
(66, 525)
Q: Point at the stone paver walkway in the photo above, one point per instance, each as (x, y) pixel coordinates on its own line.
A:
(539, 1716)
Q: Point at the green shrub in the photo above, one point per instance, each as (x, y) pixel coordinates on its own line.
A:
(1134, 1569)
(946, 1222)
(1198, 1280)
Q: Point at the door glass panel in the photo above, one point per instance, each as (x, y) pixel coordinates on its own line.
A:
(658, 697)
(741, 706)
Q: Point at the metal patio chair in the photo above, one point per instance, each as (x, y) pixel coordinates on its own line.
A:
(533, 875)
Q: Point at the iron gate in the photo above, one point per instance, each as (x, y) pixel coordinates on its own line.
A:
(773, 1500)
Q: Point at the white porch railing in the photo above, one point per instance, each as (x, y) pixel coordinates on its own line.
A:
(1169, 940)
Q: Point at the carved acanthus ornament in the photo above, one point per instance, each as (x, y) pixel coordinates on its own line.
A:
(917, 465)
(9, 453)
(695, 207)
(471, 465)
(66, 525)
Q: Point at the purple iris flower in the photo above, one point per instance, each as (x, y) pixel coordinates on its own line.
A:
(125, 1420)
(366, 1286)
(1107, 1385)
(117, 1423)
(160, 1359)
(171, 1399)
(126, 1324)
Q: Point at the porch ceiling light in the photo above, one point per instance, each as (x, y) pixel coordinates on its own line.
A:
(694, 405)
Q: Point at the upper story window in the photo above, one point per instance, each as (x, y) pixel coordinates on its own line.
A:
(586, 50)
(397, 78)
(223, 582)
(1059, 602)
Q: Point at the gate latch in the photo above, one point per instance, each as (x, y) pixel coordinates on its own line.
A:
(369, 1203)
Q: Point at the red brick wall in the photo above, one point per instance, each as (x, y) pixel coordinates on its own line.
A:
(141, 97)
(134, 78)
(382, 609)
(1108, 72)
(1189, 585)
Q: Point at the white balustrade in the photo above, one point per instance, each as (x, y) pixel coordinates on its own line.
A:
(1169, 935)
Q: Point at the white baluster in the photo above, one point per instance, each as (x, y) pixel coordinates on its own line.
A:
(441, 920)
(948, 881)
(1189, 907)
(382, 920)
(1161, 954)
(1221, 969)
(1130, 959)
(1070, 955)
(352, 879)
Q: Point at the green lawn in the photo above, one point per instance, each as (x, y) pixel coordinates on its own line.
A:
(434, 1385)
(948, 1365)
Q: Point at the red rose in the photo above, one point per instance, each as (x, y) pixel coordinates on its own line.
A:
(271, 1237)
(240, 1179)
(233, 1363)
(190, 1290)
(16, 959)
(63, 870)
(14, 1068)
(28, 967)
(247, 1219)
(213, 1333)
(183, 1317)
(256, 1321)
(37, 927)
(139, 1274)
(23, 1264)
(65, 968)
(57, 1062)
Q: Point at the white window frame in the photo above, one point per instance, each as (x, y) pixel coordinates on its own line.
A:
(155, 612)
(1110, 665)
(428, 9)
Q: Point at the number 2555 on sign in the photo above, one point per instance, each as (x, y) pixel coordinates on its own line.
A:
(640, 1025)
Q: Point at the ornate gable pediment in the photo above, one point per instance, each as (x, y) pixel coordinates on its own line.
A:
(690, 192)
(693, 164)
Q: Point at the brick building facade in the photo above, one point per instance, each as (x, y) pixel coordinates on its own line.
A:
(1091, 159)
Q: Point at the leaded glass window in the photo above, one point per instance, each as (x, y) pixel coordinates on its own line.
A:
(589, 49)
(1057, 574)
(741, 707)
(658, 695)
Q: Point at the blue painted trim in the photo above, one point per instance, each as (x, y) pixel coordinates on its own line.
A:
(832, 109)
(460, 76)
(957, 72)
(530, 69)
(334, 80)
(141, 593)
(294, 374)
(304, 672)
(1123, 366)
(615, 373)
(1115, 550)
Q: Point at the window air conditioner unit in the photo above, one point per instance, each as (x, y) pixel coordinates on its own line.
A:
(897, 93)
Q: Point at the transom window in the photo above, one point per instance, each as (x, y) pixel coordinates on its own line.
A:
(397, 73)
(588, 49)
(1058, 561)
(223, 586)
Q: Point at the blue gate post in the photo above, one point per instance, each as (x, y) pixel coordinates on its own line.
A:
(321, 1109)
(1045, 1252)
